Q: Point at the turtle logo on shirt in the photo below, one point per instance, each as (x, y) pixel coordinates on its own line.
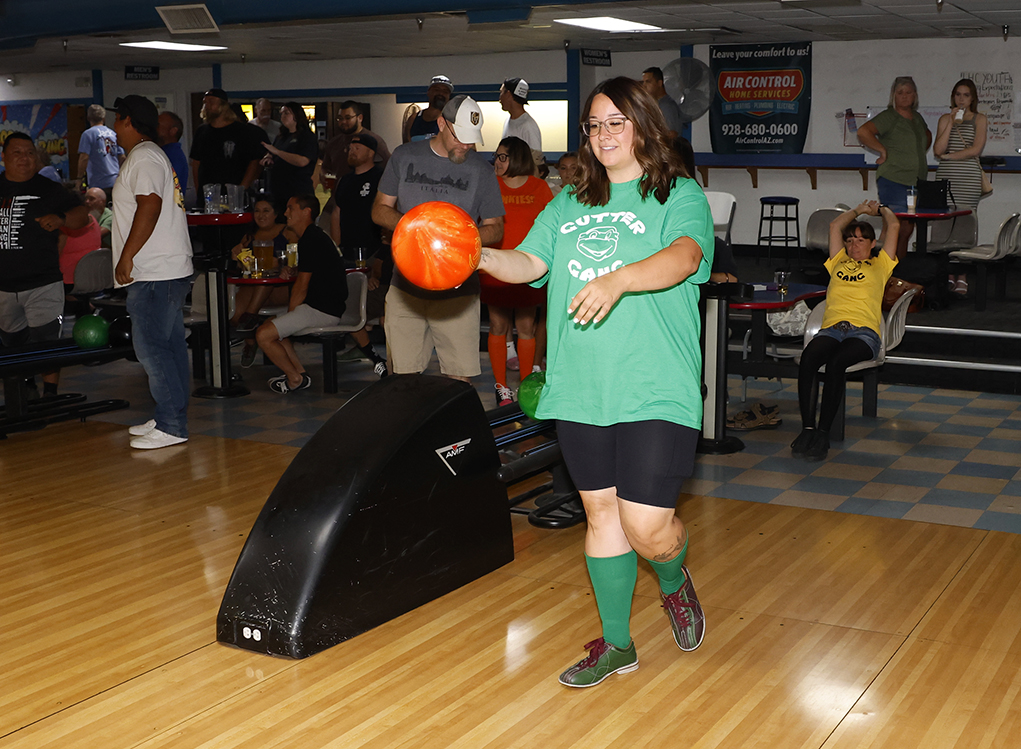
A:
(599, 242)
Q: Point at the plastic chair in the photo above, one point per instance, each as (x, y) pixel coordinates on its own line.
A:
(958, 233)
(723, 206)
(985, 256)
(817, 231)
(332, 337)
(93, 273)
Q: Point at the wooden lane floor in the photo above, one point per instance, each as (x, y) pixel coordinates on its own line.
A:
(824, 629)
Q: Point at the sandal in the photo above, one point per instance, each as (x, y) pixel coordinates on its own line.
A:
(760, 416)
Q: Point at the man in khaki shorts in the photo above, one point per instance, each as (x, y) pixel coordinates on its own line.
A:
(448, 169)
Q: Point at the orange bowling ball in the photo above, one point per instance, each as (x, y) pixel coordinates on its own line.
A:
(436, 246)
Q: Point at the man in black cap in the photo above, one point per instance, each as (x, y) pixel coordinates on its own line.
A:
(152, 258)
(358, 237)
(224, 150)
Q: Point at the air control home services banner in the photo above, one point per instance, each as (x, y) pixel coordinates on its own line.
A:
(764, 97)
(45, 123)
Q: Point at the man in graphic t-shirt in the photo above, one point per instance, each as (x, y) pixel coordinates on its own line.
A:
(224, 151)
(318, 296)
(32, 210)
(444, 168)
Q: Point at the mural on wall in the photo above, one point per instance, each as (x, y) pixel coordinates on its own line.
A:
(47, 126)
(764, 98)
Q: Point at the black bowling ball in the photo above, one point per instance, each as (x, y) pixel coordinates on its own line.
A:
(120, 331)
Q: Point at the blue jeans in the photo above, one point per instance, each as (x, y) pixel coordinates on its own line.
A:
(157, 333)
(893, 194)
(844, 330)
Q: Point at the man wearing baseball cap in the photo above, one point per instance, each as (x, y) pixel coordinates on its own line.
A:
(152, 258)
(445, 168)
(423, 126)
(224, 150)
(513, 98)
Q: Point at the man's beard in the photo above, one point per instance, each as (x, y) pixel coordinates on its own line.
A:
(457, 157)
(438, 102)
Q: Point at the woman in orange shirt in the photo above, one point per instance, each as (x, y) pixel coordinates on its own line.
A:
(524, 197)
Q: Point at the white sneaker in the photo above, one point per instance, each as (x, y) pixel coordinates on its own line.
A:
(536, 368)
(140, 430)
(156, 439)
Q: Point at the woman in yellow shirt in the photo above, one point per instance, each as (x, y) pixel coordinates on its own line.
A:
(858, 271)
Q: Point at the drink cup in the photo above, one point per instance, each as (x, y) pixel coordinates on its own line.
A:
(912, 199)
(361, 257)
(959, 117)
(212, 197)
(782, 277)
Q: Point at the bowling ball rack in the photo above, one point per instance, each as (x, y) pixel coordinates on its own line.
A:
(20, 414)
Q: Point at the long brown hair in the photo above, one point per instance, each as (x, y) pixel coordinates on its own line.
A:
(660, 163)
(970, 85)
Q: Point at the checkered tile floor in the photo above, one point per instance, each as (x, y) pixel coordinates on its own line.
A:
(939, 456)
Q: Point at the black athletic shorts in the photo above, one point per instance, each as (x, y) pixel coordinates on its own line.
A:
(646, 460)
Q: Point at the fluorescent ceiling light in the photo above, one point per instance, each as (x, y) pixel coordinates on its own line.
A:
(607, 23)
(172, 46)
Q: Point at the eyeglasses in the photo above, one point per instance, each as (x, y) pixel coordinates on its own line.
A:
(346, 117)
(613, 126)
(502, 157)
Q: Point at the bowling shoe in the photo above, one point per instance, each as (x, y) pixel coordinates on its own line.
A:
(687, 620)
(156, 439)
(504, 395)
(140, 430)
(282, 386)
(603, 660)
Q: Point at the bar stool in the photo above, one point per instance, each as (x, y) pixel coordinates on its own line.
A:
(774, 203)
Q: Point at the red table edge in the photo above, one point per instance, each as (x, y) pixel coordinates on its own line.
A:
(218, 219)
(934, 214)
(778, 305)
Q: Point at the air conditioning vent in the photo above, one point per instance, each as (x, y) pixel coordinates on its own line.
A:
(188, 19)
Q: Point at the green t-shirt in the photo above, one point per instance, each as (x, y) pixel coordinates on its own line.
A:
(904, 141)
(643, 360)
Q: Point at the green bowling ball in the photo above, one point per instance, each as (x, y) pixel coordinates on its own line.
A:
(530, 392)
(91, 331)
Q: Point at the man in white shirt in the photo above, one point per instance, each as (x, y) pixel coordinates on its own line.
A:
(513, 98)
(152, 257)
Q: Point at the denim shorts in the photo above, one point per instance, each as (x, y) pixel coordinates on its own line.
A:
(892, 193)
(844, 330)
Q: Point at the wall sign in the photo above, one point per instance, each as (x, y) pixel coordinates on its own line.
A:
(599, 57)
(141, 73)
(763, 104)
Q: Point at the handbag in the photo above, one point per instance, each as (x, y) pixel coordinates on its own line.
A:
(896, 288)
(933, 195)
(987, 184)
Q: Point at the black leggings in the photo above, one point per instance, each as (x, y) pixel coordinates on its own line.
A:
(837, 356)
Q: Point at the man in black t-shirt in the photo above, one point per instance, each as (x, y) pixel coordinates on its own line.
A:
(318, 296)
(224, 151)
(32, 210)
(358, 236)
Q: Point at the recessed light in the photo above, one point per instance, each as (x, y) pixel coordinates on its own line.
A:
(607, 23)
(173, 46)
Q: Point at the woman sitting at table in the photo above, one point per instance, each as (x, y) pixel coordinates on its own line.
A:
(268, 240)
(850, 328)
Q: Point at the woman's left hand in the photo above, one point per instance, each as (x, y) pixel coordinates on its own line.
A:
(597, 298)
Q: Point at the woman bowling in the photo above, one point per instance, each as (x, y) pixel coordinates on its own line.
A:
(623, 250)
(850, 327)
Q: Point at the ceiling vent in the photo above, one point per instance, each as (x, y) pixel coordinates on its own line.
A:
(188, 19)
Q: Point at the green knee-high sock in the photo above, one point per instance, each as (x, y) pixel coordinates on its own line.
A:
(671, 576)
(613, 580)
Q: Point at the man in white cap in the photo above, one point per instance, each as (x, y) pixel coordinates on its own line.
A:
(448, 169)
(513, 98)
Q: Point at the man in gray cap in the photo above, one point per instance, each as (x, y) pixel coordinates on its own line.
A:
(152, 257)
(444, 168)
(513, 98)
(423, 126)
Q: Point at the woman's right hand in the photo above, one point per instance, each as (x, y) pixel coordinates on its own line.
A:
(881, 158)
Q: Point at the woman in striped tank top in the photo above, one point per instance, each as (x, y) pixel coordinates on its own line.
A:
(960, 138)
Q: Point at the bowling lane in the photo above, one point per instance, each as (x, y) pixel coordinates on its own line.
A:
(114, 561)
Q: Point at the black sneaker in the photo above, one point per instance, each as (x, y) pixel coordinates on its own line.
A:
(802, 441)
(248, 355)
(819, 447)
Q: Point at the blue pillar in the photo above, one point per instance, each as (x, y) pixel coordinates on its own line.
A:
(573, 98)
(217, 76)
(97, 86)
